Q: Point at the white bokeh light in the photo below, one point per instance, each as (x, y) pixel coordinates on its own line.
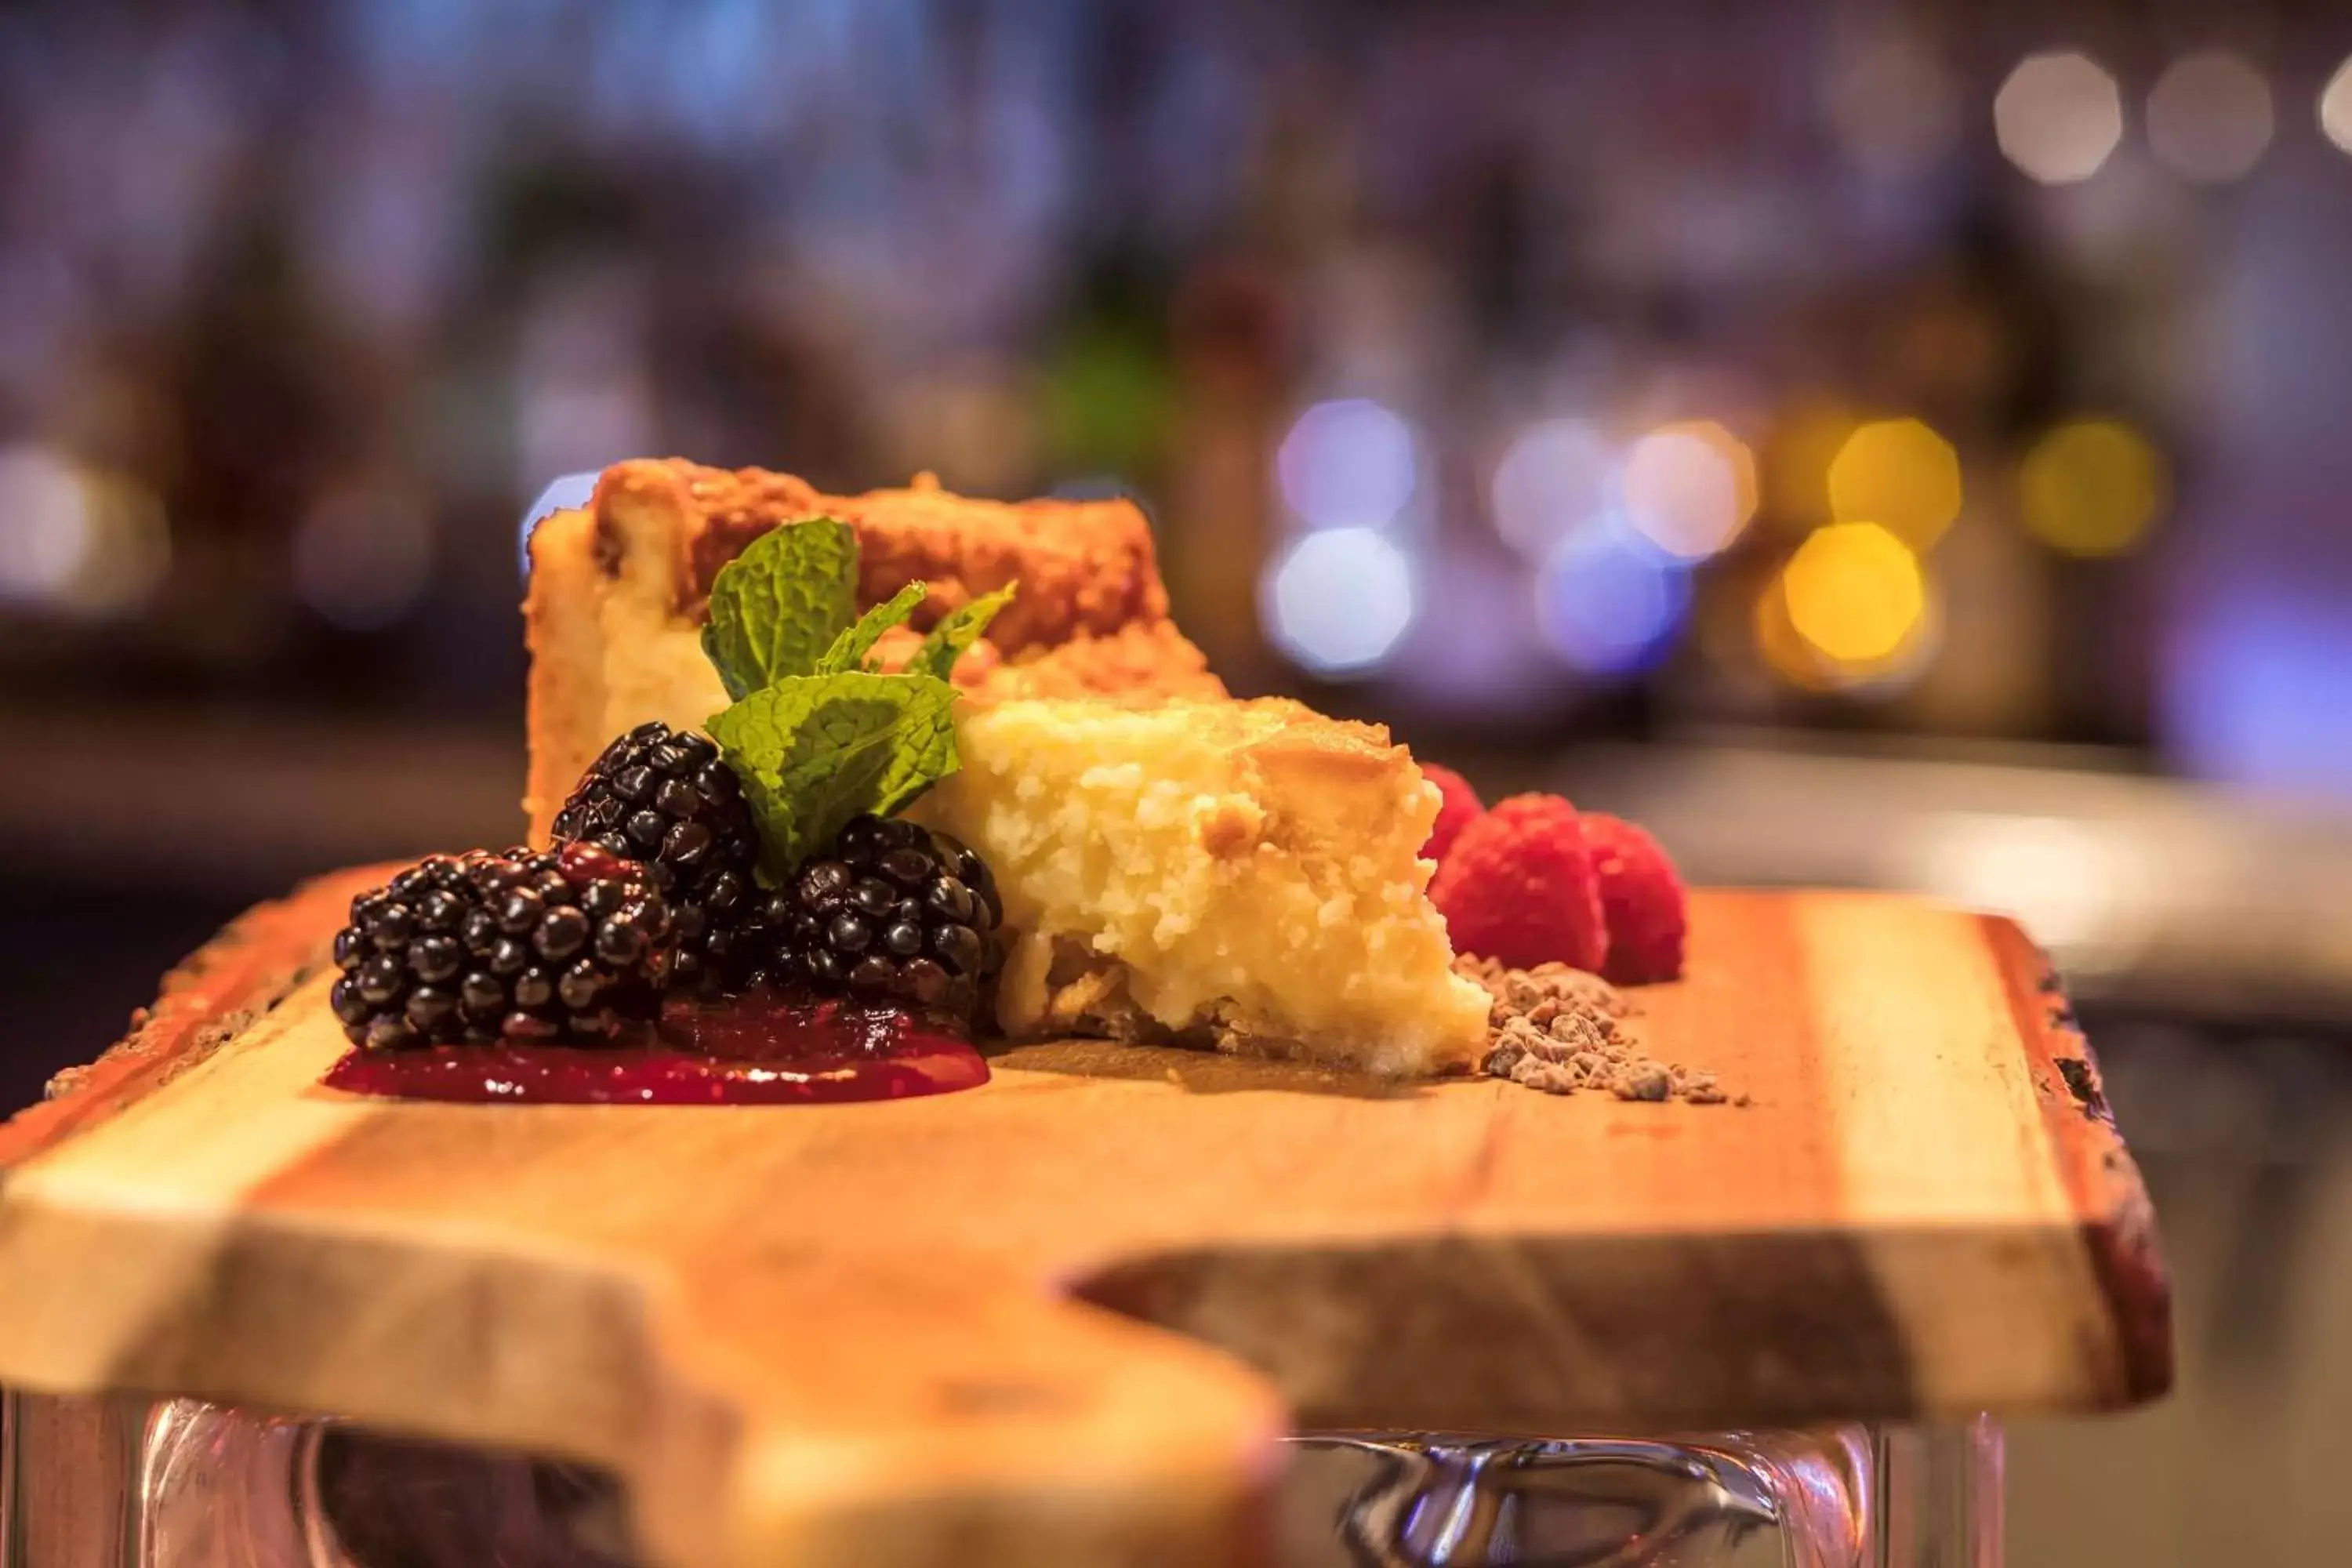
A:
(1338, 601)
(1552, 476)
(78, 540)
(2058, 117)
(1690, 489)
(1347, 464)
(2209, 117)
(2336, 107)
(46, 536)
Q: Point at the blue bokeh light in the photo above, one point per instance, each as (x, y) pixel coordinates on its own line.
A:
(561, 495)
(1347, 464)
(1609, 601)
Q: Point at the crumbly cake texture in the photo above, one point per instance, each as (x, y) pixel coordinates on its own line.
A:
(1561, 1029)
(1241, 874)
(620, 589)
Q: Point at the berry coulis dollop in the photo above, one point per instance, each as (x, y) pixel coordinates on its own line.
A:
(763, 1049)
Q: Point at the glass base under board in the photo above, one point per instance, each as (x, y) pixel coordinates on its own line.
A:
(180, 1483)
(1844, 1496)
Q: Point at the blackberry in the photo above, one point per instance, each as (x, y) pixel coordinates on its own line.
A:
(888, 911)
(525, 945)
(664, 798)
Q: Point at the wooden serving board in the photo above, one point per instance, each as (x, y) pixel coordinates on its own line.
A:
(936, 1331)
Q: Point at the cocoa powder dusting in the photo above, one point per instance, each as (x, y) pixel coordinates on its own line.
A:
(1561, 1029)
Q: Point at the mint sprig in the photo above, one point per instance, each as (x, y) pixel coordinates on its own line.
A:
(813, 734)
(957, 631)
(849, 649)
(813, 750)
(776, 608)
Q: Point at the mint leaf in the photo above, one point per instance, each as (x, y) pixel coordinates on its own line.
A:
(957, 631)
(849, 649)
(777, 607)
(814, 750)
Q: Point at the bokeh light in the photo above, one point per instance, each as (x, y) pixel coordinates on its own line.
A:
(1893, 105)
(565, 492)
(1551, 477)
(2091, 487)
(1790, 656)
(47, 534)
(361, 560)
(76, 540)
(1899, 474)
(1608, 600)
(2336, 107)
(1338, 601)
(1347, 464)
(1855, 593)
(2208, 116)
(131, 548)
(2058, 117)
(1690, 487)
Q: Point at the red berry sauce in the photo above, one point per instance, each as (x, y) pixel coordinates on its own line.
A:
(760, 1049)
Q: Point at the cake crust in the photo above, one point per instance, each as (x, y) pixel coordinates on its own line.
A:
(1086, 568)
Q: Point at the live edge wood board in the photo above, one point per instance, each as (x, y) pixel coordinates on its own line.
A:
(1063, 1319)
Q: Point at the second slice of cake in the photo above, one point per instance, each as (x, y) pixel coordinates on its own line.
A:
(1241, 874)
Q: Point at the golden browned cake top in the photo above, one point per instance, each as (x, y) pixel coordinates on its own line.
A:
(1086, 568)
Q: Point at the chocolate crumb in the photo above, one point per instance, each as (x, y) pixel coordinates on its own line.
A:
(1559, 1030)
(1641, 1080)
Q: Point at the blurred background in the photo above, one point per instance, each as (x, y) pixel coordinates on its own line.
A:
(1889, 445)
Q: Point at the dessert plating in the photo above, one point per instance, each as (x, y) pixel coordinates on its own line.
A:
(1096, 838)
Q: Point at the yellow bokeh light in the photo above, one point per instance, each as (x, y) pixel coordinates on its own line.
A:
(1900, 474)
(2091, 487)
(1792, 659)
(1690, 487)
(1855, 593)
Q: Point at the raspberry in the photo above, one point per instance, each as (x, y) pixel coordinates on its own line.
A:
(1462, 807)
(1518, 885)
(665, 799)
(891, 912)
(528, 946)
(1643, 898)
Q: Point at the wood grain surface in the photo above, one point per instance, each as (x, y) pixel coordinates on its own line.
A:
(936, 1331)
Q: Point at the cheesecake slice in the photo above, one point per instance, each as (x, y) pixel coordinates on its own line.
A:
(620, 588)
(1246, 875)
(1175, 865)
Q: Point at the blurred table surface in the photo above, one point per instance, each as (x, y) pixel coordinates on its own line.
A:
(2148, 892)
